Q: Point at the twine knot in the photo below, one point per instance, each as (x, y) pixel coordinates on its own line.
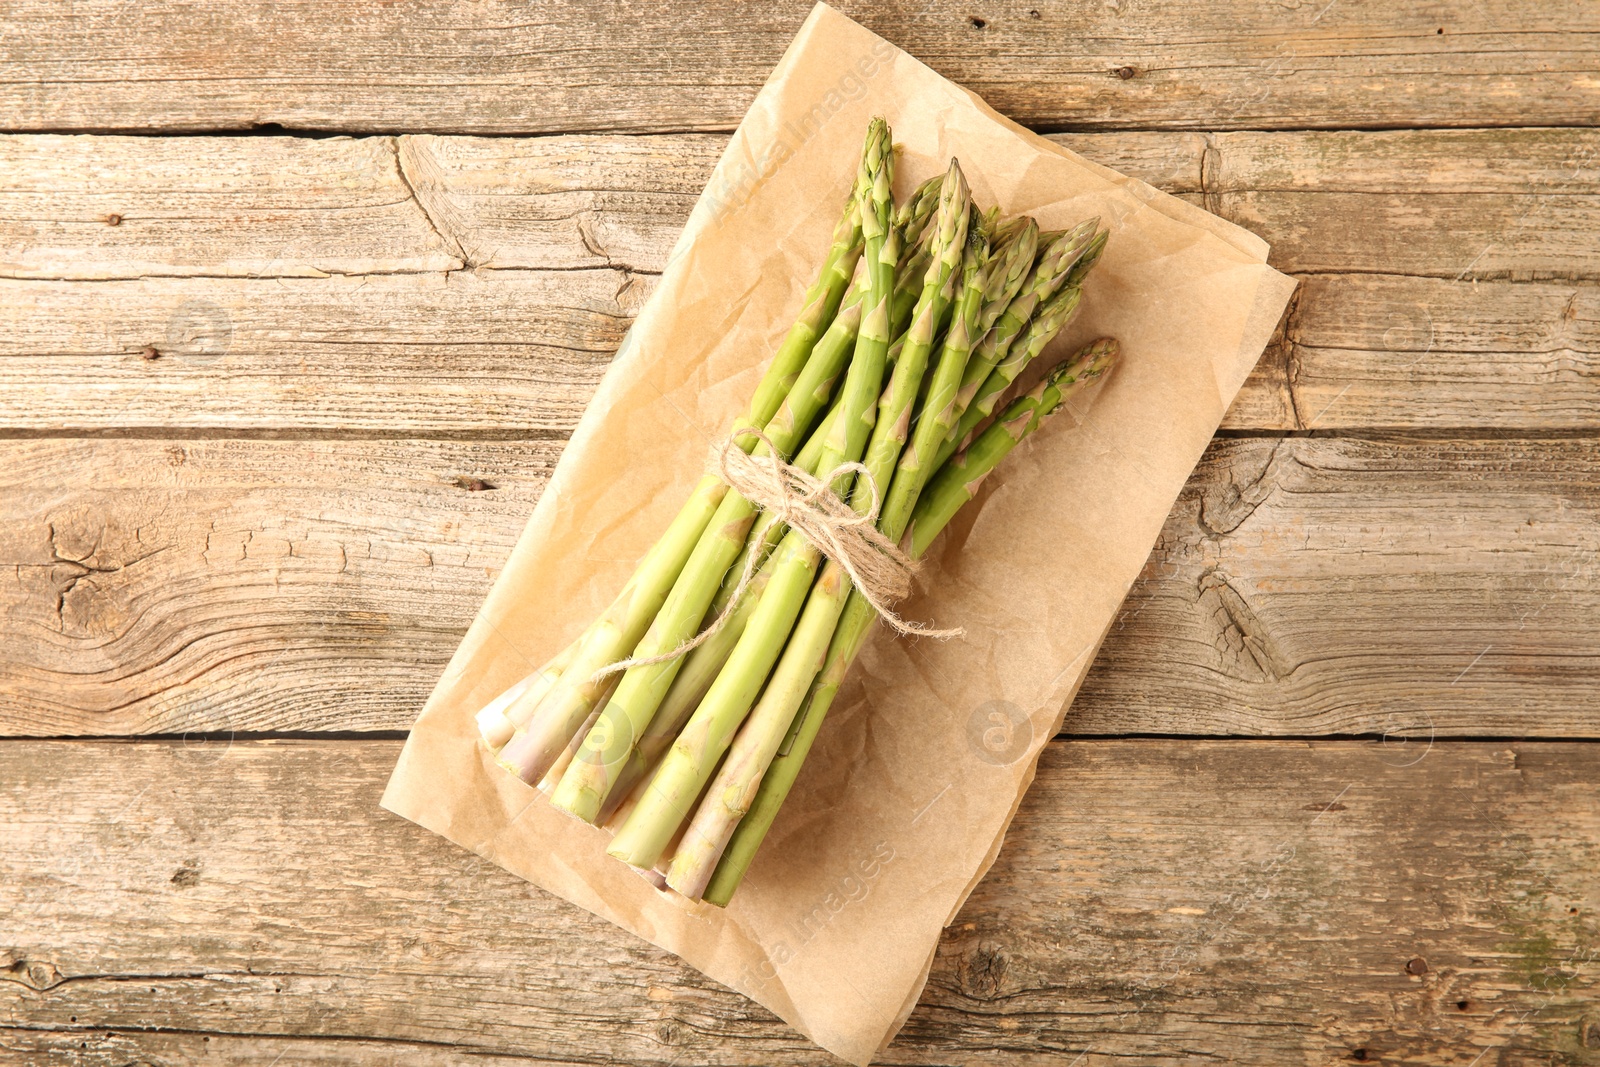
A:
(878, 568)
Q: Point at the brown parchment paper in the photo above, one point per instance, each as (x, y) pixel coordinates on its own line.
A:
(906, 796)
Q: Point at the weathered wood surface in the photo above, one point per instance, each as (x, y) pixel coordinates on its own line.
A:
(1302, 586)
(469, 67)
(429, 284)
(171, 586)
(1156, 902)
(274, 410)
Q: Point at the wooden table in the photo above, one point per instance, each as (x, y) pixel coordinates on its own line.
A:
(276, 404)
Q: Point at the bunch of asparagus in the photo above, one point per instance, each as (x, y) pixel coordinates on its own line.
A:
(919, 322)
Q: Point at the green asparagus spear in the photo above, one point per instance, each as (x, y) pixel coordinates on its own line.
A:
(584, 791)
(1052, 315)
(1086, 261)
(912, 217)
(911, 225)
(563, 709)
(1049, 273)
(717, 815)
(1013, 252)
(856, 622)
(992, 278)
(958, 479)
(689, 763)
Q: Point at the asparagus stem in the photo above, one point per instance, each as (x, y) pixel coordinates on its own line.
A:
(554, 719)
(856, 621)
(742, 845)
(689, 763)
(639, 694)
(987, 285)
(701, 666)
(709, 530)
(494, 725)
(559, 767)
(785, 404)
(686, 765)
(734, 788)
(904, 300)
(736, 782)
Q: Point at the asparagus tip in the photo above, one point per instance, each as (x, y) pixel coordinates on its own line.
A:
(1089, 362)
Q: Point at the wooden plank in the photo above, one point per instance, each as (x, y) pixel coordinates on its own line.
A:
(270, 207)
(405, 354)
(125, 207)
(1156, 902)
(459, 67)
(588, 201)
(171, 586)
(1416, 202)
(1379, 586)
(562, 202)
(479, 351)
(1301, 586)
(1403, 352)
(566, 232)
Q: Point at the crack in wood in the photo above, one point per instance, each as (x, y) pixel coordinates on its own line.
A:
(423, 164)
(1224, 510)
(1241, 632)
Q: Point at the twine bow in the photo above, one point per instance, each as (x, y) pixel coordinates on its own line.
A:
(807, 504)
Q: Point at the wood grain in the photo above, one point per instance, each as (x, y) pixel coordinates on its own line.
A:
(320, 285)
(172, 586)
(1406, 588)
(1157, 902)
(91, 208)
(1379, 586)
(1441, 204)
(507, 352)
(276, 408)
(464, 67)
